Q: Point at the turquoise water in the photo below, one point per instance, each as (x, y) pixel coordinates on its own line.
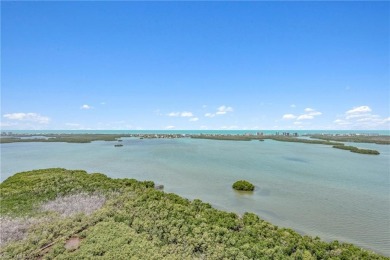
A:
(314, 189)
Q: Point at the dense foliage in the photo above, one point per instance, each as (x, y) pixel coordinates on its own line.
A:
(138, 222)
(280, 138)
(356, 150)
(68, 138)
(243, 185)
(377, 139)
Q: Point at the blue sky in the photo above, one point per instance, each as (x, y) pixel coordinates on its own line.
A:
(195, 65)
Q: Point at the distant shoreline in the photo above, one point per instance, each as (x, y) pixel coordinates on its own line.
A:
(205, 131)
(336, 140)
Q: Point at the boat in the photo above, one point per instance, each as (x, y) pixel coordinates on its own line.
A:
(118, 145)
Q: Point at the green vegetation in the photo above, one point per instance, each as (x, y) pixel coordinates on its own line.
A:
(300, 140)
(135, 221)
(68, 138)
(281, 138)
(377, 139)
(243, 185)
(356, 150)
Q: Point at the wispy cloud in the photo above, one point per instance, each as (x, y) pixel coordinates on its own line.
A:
(209, 115)
(289, 117)
(194, 119)
(355, 112)
(186, 114)
(309, 113)
(180, 114)
(222, 110)
(170, 127)
(86, 107)
(361, 118)
(29, 117)
(305, 117)
(358, 110)
(173, 114)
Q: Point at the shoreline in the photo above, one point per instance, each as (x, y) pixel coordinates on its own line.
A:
(336, 141)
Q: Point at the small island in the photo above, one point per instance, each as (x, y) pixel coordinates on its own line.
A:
(243, 185)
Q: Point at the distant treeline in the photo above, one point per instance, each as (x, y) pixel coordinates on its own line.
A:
(377, 139)
(280, 138)
(325, 140)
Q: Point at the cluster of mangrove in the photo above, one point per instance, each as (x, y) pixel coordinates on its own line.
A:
(377, 139)
(67, 138)
(282, 138)
(243, 185)
(356, 150)
(79, 138)
(135, 221)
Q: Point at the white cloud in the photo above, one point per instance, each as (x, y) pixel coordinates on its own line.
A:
(174, 114)
(223, 110)
(359, 110)
(86, 107)
(293, 106)
(361, 118)
(170, 127)
(180, 114)
(309, 114)
(312, 112)
(209, 115)
(186, 114)
(305, 117)
(288, 116)
(30, 117)
(194, 119)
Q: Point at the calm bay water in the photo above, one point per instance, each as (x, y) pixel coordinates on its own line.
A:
(314, 189)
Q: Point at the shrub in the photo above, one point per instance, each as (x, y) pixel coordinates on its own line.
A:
(243, 185)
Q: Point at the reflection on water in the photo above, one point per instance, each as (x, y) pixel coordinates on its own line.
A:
(314, 189)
